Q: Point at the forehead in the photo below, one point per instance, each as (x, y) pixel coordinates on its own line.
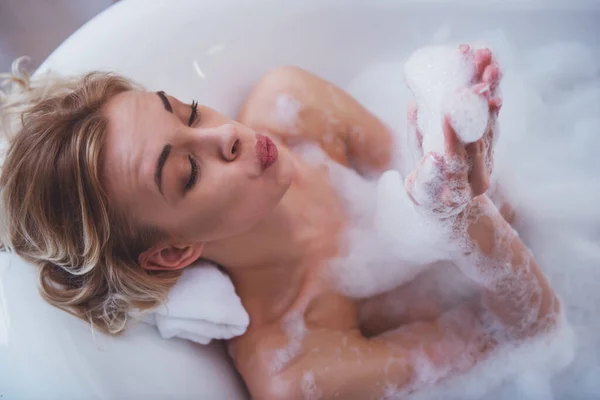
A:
(132, 117)
(135, 120)
(124, 105)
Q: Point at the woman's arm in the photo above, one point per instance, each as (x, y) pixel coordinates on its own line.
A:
(514, 289)
(297, 105)
(516, 304)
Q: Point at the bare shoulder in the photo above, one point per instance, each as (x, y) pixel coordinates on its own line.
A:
(280, 99)
(319, 349)
(254, 357)
(296, 105)
(333, 363)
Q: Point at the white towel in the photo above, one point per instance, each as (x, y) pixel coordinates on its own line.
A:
(202, 306)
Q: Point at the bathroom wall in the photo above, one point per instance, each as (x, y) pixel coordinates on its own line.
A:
(36, 27)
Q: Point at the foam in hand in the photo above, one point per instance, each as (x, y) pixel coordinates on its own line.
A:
(548, 92)
(440, 78)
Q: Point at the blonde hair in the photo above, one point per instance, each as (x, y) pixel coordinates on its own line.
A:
(55, 210)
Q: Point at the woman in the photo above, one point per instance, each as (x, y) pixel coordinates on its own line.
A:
(113, 190)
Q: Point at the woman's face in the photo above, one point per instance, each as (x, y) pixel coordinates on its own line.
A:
(199, 178)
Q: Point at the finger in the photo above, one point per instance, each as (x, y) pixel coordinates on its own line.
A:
(452, 144)
(481, 59)
(415, 137)
(409, 182)
(490, 141)
(409, 185)
(492, 75)
(478, 176)
(495, 105)
(419, 182)
(482, 89)
(455, 197)
(465, 49)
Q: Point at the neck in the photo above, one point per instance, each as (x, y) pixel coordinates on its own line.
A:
(266, 264)
(273, 241)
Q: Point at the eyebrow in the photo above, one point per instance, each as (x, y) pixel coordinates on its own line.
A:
(162, 159)
(165, 101)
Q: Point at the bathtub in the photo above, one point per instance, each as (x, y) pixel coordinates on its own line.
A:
(213, 51)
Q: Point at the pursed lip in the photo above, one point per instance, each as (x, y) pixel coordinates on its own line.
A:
(266, 151)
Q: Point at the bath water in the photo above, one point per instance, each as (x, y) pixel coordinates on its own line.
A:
(547, 163)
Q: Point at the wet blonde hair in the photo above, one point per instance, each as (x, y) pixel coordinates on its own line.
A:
(55, 210)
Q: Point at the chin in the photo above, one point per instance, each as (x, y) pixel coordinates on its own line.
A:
(286, 171)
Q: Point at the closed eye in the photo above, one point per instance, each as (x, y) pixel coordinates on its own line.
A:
(193, 174)
(194, 113)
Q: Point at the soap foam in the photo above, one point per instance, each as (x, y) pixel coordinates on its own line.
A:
(440, 78)
(468, 114)
(547, 165)
(295, 329)
(287, 109)
(309, 388)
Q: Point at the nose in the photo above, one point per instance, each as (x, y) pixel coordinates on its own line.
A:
(223, 142)
(230, 143)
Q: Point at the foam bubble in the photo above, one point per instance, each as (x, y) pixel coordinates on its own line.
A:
(309, 388)
(434, 75)
(295, 329)
(389, 242)
(547, 165)
(287, 109)
(520, 370)
(468, 114)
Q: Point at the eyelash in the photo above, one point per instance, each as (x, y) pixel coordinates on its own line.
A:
(193, 174)
(193, 163)
(194, 113)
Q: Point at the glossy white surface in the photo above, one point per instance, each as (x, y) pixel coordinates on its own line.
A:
(213, 51)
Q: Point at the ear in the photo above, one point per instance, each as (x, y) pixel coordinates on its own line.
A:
(164, 257)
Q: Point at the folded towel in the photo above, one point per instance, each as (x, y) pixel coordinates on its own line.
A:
(202, 306)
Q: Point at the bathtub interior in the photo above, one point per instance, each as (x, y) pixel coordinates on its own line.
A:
(213, 52)
(47, 353)
(233, 42)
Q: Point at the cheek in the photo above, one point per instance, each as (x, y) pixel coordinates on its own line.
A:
(227, 208)
(251, 202)
(232, 202)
